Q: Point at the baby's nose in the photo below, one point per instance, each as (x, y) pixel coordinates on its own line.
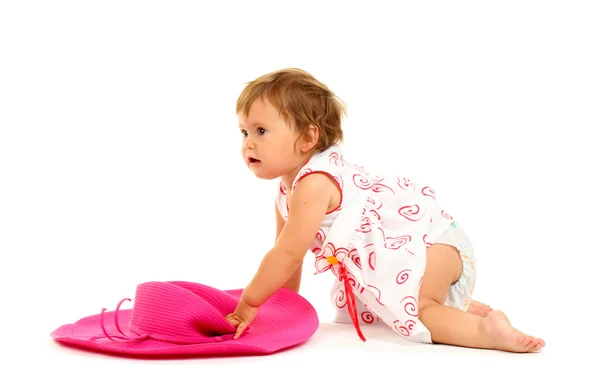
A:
(249, 142)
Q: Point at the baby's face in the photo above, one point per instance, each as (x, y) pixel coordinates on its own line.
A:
(267, 141)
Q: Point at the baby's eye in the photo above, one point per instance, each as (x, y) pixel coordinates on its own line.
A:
(244, 133)
(261, 131)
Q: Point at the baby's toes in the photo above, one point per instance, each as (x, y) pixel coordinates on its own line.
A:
(537, 347)
(531, 343)
(525, 342)
(541, 342)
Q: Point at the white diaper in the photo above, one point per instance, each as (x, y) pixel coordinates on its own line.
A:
(459, 295)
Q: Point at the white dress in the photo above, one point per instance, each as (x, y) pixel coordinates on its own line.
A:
(375, 245)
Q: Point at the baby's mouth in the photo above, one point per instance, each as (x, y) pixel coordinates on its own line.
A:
(252, 160)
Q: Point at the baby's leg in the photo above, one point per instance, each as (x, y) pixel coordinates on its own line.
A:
(452, 326)
(479, 309)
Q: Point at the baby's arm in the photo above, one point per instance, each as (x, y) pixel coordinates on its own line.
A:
(294, 282)
(308, 206)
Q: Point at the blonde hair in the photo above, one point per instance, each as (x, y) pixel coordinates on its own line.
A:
(302, 101)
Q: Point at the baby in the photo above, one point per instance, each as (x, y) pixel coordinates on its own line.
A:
(398, 257)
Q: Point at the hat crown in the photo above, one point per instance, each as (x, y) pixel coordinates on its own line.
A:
(181, 312)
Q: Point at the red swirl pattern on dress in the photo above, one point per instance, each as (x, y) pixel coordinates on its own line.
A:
(395, 242)
(410, 307)
(367, 317)
(378, 187)
(428, 191)
(446, 215)
(405, 183)
(372, 259)
(376, 204)
(427, 243)
(355, 257)
(365, 225)
(406, 329)
(340, 299)
(362, 182)
(378, 296)
(376, 215)
(411, 212)
(367, 183)
(320, 234)
(334, 159)
(319, 238)
(354, 284)
(403, 276)
(374, 207)
(282, 189)
(317, 244)
(338, 178)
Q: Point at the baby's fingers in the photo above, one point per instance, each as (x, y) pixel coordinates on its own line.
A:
(243, 325)
(232, 319)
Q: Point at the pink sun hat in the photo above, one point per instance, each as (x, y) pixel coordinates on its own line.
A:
(177, 318)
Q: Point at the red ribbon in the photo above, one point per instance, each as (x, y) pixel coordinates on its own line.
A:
(351, 303)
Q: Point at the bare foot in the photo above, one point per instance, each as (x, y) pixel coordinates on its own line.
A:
(479, 309)
(506, 338)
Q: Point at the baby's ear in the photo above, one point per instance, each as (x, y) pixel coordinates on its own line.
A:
(310, 138)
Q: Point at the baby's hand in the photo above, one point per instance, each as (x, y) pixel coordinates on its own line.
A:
(242, 317)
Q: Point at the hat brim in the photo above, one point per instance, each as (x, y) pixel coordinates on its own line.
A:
(286, 320)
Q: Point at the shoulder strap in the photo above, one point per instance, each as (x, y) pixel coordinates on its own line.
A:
(280, 200)
(329, 162)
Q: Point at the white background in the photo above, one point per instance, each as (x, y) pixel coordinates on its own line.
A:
(120, 163)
